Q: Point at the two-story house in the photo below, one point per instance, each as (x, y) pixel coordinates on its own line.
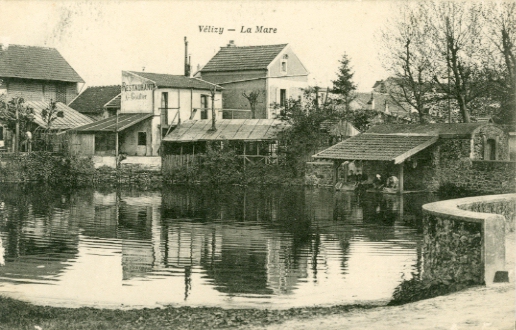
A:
(273, 73)
(39, 75)
(151, 106)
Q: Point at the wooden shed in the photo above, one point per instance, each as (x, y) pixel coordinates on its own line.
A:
(252, 139)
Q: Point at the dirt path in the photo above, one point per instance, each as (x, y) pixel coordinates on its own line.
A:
(475, 308)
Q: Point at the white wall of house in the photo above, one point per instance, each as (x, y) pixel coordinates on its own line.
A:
(184, 101)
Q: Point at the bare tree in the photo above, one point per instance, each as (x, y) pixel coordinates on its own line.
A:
(456, 50)
(500, 18)
(252, 97)
(404, 56)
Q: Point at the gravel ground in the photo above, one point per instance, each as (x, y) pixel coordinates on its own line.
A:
(475, 308)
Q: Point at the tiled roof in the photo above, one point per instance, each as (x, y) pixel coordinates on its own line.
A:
(227, 129)
(377, 147)
(443, 130)
(114, 103)
(176, 81)
(32, 62)
(243, 58)
(112, 124)
(93, 99)
(71, 118)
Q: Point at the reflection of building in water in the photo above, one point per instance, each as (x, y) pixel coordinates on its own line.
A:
(38, 234)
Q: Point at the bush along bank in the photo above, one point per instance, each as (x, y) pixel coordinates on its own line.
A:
(44, 167)
(218, 167)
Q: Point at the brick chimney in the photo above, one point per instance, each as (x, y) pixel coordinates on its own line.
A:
(231, 43)
(187, 60)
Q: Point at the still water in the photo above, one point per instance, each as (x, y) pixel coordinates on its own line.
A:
(234, 247)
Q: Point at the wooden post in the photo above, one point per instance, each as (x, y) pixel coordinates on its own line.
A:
(244, 156)
(401, 178)
(336, 165)
(17, 127)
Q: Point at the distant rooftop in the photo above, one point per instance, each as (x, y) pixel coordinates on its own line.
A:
(234, 58)
(31, 62)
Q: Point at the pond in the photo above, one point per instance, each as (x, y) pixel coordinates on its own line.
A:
(195, 246)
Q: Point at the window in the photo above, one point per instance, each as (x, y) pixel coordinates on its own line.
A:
(283, 97)
(164, 100)
(204, 106)
(490, 150)
(284, 64)
(164, 108)
(1, 133)
(142, 138)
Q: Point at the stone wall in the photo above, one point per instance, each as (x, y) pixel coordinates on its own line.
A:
(319, 173)
(490, 132)
(486, 177)
(462, 245)
(452, 250)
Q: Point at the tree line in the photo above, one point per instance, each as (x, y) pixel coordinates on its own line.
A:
(451, 60)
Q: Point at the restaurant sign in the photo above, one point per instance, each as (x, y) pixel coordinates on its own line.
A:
(136, 94)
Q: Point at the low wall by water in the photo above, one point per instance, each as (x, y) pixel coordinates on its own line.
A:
(464, 239)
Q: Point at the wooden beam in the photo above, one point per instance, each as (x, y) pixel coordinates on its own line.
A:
(401, 158)
(400, 186)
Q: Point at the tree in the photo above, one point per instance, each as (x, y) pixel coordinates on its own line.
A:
(500, 31)
(456, 44)
(16, 116)
(404, 56)
(437, 52)
(49, 115)
(344, 85)
(252, 97)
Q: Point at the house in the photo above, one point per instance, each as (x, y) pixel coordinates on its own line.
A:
(273, 73)
(424, 155)
(151, 106)
(98, 102)
(252, 140)
(39, 75)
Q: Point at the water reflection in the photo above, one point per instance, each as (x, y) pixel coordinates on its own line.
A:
(278, 247)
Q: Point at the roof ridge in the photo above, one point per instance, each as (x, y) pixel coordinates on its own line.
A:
(26, 46)
(254, 46)
(96, 86)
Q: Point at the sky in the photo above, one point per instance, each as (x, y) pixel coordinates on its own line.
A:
(100, 38)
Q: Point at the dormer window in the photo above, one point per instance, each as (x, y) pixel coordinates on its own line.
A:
(284, 63)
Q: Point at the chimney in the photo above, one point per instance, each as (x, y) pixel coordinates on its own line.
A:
(371, 101)
(187, 60)
(231, 43)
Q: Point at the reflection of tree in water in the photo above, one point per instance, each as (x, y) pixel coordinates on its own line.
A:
(38, 230)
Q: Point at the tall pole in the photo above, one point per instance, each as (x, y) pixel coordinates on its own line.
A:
(17, 130)
(116, 141)
(213, 128)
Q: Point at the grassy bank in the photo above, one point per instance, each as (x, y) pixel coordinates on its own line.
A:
(15, 315)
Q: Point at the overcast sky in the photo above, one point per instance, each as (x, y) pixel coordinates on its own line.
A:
(99, 39)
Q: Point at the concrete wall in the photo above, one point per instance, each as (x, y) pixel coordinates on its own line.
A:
(462, 245)
(233, 98)
(294, 65)
(129, 139)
